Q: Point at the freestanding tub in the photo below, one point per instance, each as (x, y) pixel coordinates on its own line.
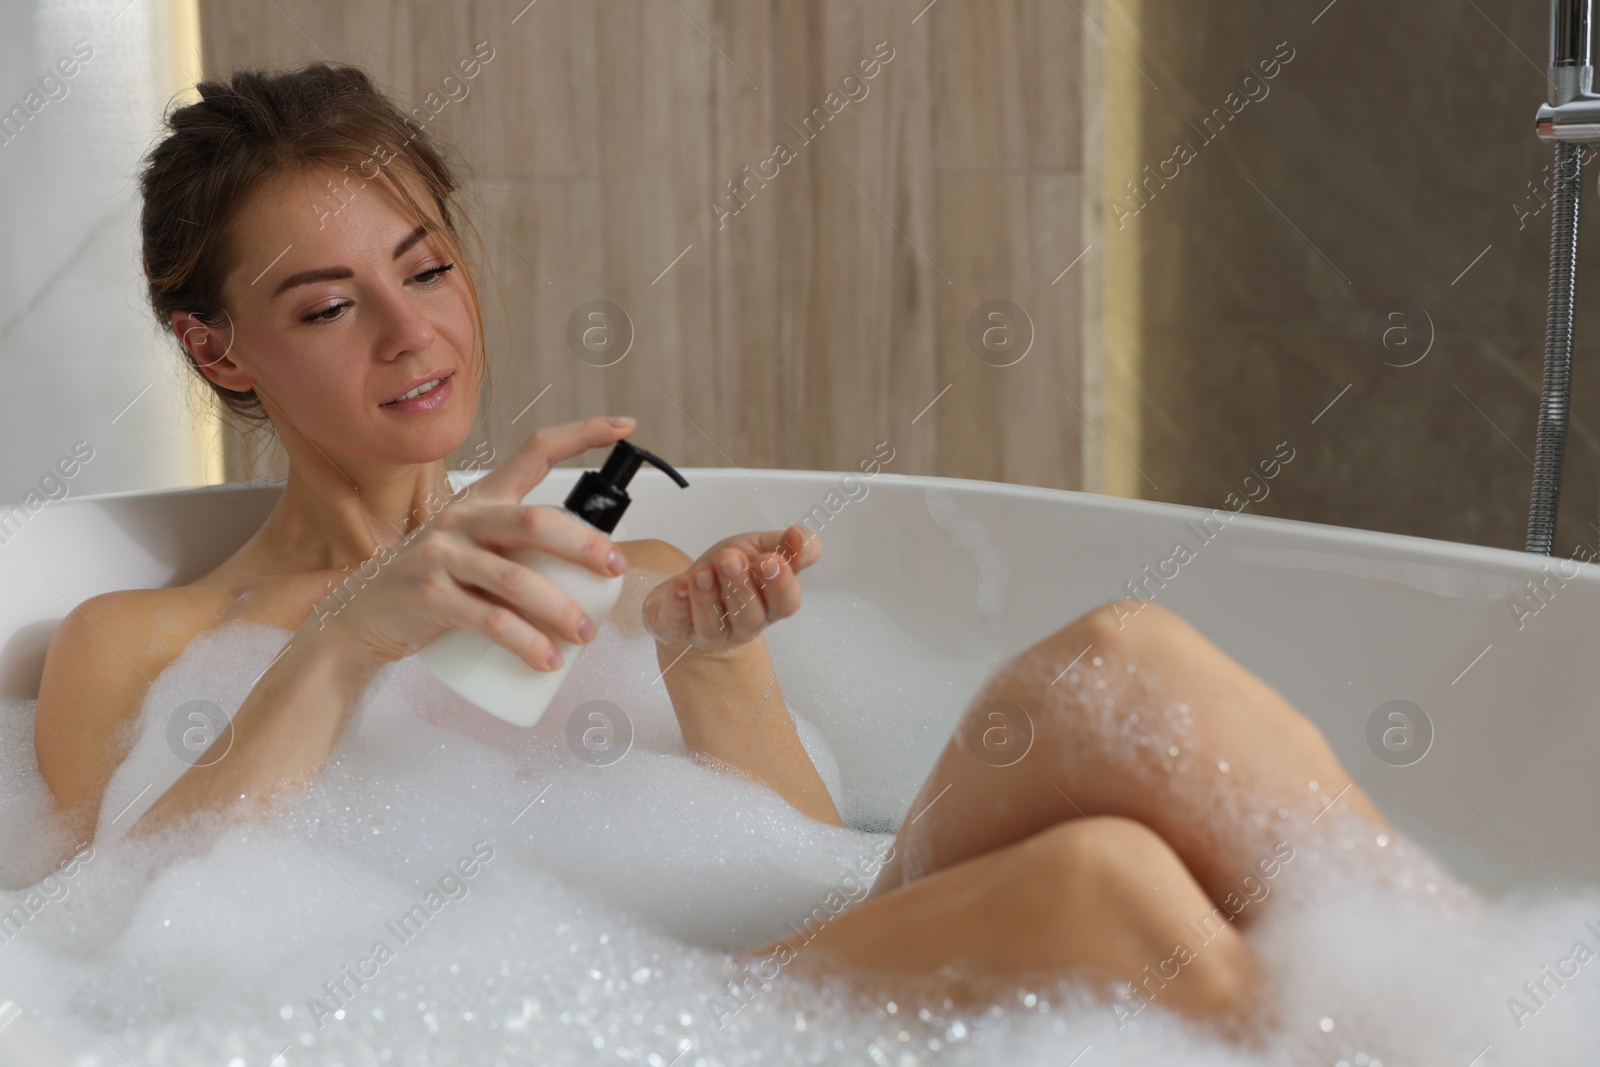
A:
(1492, 649)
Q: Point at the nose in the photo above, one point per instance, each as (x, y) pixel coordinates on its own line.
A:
(406, 328)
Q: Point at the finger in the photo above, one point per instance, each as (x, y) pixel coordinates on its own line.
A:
(801, 547)
(673, 622)
(746, 610)
(514, 526)
(705, 607)
(500, 624)
(797, 544)
(542, 450)
(768, 566)
(781, 591)
(529, 593)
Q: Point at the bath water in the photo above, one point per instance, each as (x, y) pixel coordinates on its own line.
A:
(453, 890)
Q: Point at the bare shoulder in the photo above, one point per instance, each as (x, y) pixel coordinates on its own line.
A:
(137, 627)
(655, 555)
(101, 660)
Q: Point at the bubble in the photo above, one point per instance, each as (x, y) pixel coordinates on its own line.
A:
(603, 915)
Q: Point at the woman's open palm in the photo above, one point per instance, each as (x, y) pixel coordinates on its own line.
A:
(751, 581)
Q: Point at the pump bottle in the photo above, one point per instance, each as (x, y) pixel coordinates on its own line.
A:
(500, 681)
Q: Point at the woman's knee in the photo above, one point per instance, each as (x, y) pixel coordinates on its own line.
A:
(1120, 858)
(1129, 625)
(1142, 633)
(1117, 629)
(1140, 918)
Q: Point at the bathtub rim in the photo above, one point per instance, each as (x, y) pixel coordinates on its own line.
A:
(1436, 550)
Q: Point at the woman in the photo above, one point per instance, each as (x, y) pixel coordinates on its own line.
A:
(300, 240)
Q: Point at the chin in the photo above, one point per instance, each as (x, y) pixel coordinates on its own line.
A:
(423, 443)
(433, 444)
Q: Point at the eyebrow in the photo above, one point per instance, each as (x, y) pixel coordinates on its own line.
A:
(320, 274)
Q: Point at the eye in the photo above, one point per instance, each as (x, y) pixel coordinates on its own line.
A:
(325, 313)
(429, 277)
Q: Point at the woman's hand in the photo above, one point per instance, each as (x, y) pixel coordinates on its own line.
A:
(450, 573)
(751, 580)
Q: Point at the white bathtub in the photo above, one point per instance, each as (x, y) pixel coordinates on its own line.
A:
(1340, 621)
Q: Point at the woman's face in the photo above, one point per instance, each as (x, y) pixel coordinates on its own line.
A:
(339, 307)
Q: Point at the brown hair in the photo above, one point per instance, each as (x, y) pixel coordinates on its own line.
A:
(244, 133)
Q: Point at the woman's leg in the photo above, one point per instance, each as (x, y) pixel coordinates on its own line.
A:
(1065, 900)
(1124, 841)
(1133, 713)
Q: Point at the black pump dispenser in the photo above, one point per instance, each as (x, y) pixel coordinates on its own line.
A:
(600, 497)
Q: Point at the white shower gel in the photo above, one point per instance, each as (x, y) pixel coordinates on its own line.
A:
(492, 676)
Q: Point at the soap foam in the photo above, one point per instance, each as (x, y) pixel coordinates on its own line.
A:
(603, 900)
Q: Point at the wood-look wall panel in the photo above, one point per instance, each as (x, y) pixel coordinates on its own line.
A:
(1008, 84)
(829, 311)
(377, 34)
(743, 352)
(1009, 155)
(443, 36)
(858, 293)
(1005, 237)
(655, 121)
(534, 113)
(544, 261)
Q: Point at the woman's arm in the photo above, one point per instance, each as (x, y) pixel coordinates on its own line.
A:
(283, 731)
(97, 671)
(730, 708)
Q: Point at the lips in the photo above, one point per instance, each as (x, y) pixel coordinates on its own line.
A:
(435, 376)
